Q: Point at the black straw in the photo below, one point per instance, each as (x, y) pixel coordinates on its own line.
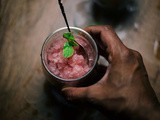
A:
(63, 13)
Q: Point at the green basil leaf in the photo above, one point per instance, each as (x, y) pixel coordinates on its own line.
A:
(68, 36)
(67, 50)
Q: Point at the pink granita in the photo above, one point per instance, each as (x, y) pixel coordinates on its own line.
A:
(68, 68)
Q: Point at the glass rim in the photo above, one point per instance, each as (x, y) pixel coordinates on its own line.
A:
(60, 78)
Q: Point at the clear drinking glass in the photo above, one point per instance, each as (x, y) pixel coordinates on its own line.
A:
(90, 48)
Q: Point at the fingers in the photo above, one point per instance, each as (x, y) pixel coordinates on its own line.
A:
(106, 33)
(82, 93)
(74, 93)
(109, 38)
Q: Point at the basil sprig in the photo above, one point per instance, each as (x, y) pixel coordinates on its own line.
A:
(68, 49)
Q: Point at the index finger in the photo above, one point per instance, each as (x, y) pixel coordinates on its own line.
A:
(108, 36)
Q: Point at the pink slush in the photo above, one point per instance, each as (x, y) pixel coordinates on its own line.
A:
(69, 68)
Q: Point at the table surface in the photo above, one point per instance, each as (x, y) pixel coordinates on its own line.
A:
(24, 25)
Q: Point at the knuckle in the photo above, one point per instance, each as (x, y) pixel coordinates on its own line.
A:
(98, 94)
(138, 55)
(126, 54)
(131, 56)
(108, 28)
(137, 58)
(92, 96)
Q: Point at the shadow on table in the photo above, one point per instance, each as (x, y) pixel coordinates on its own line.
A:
(67, 110)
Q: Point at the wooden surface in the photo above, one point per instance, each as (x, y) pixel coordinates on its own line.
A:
(25, 94)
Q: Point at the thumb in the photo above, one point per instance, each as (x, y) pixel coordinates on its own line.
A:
(75, 93)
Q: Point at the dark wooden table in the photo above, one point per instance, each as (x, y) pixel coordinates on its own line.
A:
(25, 93)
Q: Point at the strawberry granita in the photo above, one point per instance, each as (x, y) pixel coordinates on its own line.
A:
(68, 68)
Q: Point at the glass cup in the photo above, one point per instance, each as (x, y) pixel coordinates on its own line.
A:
(50, 65)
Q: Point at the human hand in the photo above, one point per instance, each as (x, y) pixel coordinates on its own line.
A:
(125, 87)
